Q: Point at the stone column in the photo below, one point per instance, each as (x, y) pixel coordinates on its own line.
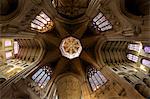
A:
(85, 91)
(68, 87)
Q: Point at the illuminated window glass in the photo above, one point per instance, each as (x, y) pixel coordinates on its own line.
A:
(42, 76)
(53, 3)
(134, 47)
(42, 23)
(16, 47)
(132, 57)
(146, 62)
(96, 78)
(7, 43)
(37, 73)
(101, 23)
(147, 49)
(8, 55)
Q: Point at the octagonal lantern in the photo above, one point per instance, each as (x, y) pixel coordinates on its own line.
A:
(70, 47)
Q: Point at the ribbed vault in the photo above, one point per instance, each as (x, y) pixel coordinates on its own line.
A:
(100, 33)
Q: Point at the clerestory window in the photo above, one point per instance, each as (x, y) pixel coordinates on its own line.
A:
(101, 23)
(16, 47)
(134, 47)
(147, 49)
(42, 76)
(96, 79)
(42, 23)
(146, 62)
(8, 43)
(132, 57)
(9, 55)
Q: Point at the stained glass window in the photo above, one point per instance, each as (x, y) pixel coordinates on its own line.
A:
(7, 43)
(42, 23)
(146, 62)
(96, 78)
(16, 47)
(42, 76)
(8, 55)
(147, 49)
(101, 23)
(134, 47)
(132, 57)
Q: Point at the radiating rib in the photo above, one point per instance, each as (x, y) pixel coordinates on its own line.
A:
(60, 66)
(78, 66)
(93, 6)
(84, 56)
(51, 56)
(79, 32)
(89, 41)
(52, 39)
(61, 30)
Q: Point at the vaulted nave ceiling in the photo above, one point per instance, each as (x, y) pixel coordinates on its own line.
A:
(80, 37)
(63, 25)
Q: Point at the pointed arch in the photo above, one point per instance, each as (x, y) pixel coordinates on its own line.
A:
(96, 78)
(101, 23)
(42, 76)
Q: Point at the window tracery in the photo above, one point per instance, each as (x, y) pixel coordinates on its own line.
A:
(9, 55)
(96, 78)
(16, 47)
(101, 23)
(146, 62)
(147, 49)
(42, 76)
(42, 23)
(8, 43)
(132, 57)
(134, 47)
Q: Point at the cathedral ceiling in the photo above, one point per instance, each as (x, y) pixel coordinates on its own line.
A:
(71, 18)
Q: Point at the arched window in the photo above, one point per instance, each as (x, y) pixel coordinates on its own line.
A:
(146, 62)
(96, 78)
(134, 47)
(42, 23)
(132, 57)
(147, 49)
(101, 23)
(16, 47)
(8, 43)
(42, 76)
(9, 54)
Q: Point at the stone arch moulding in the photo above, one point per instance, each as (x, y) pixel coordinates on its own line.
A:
(66, 74)
(68, 84)
(134, 21)
(126, 23)
(98, 47)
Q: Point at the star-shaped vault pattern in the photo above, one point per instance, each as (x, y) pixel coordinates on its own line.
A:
(77, 45)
